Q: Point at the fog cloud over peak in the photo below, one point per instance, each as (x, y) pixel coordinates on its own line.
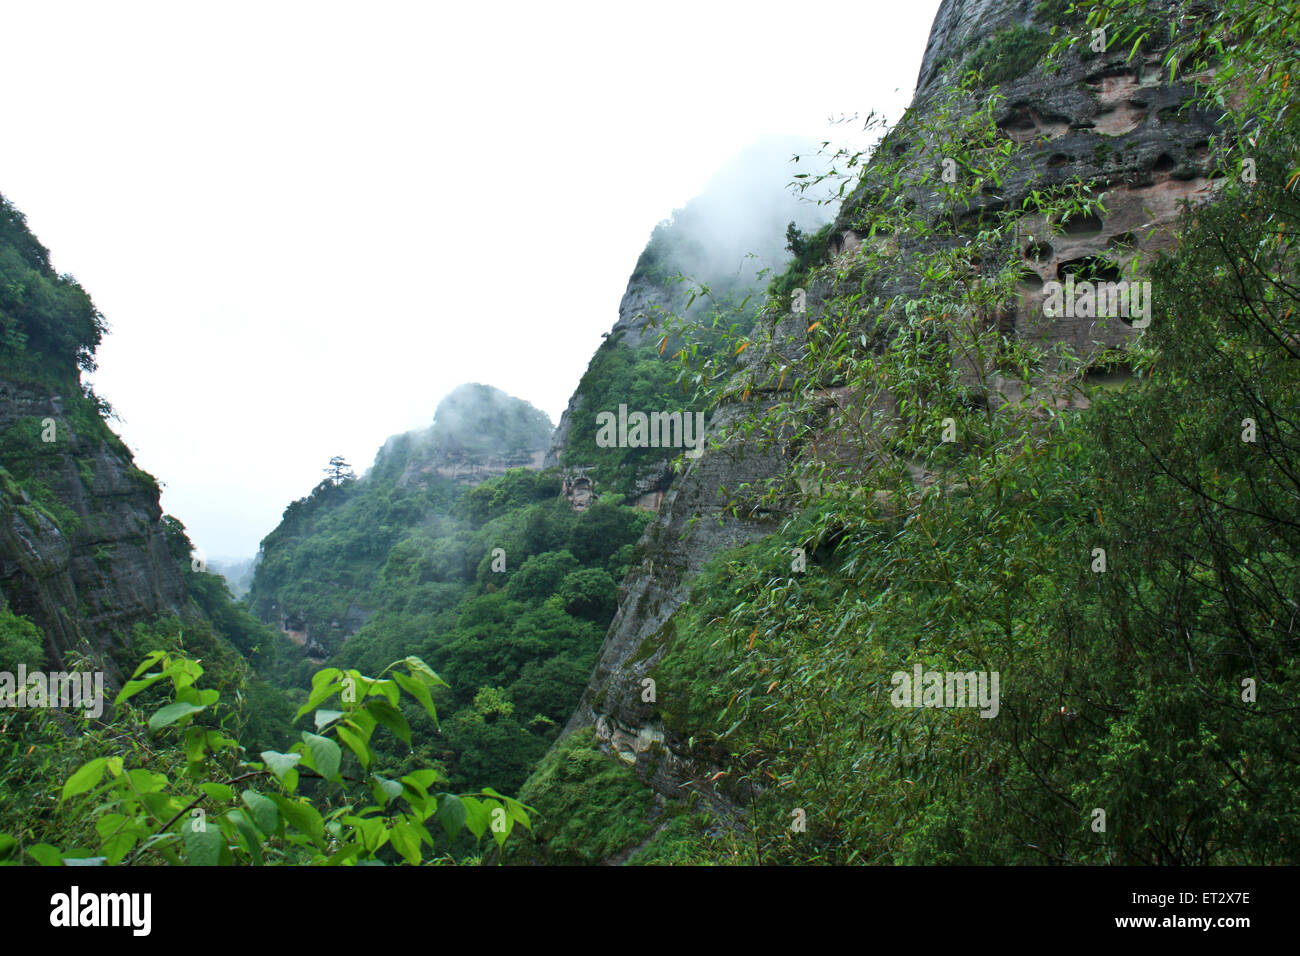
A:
(473, 420)
(736, 226)
(315, 246)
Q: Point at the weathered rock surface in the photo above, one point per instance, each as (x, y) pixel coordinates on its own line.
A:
(85, 587)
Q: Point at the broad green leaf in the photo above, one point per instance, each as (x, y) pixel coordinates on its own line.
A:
(196, 744)
(133, 687)
(388, 689)
(183, 672)
(451, 813)
(390, 788)
(499, 821)
(302, 816)
(370, 831)
(356, 745)
(390, 717)
(325, 755)
(363, 722)
(116, 845)
(518, 812)
(248, 833)
(168, 715)
(162, 806)
(217, 742)
(146, 781)
(45, 855)
(476, 816)
(345, 855)
(149, 660)
(326, 717)
(420, 692)
(263, 811)
(218, 792)
(424, 672)
(406, 840)
(324, 685)
(424, 778)
(87, 778)
(109, 824)
(279, 763)
(202, 847)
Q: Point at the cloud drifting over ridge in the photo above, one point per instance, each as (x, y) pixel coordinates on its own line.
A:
(306, 222)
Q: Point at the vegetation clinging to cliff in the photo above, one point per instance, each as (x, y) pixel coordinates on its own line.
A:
(42, 311)
(1128, 569)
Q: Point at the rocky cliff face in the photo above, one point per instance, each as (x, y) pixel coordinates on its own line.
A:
(84, 550)
(1102, 117)
(86, 559)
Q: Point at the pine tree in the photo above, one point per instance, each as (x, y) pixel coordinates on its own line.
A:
(339, 471)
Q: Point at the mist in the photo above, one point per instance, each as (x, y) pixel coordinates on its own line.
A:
(734, 232)
(472, 421)
(304, 225)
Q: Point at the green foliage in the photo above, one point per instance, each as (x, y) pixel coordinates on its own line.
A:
(1057, 13)
(175, 788)
(603, 531)
(1008, 55)
(809, 253)
(590, 593)
(31, 465)
(1126, 690)
(332, 545)
(541, 575)
(34, 500)
(427, 582)
(21, 641)
(516, 489)
(688, 839)
(41, 312)
(589, 807)
(688, 275)
(642, 379)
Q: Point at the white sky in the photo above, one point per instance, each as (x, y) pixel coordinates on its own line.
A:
(307, 222)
